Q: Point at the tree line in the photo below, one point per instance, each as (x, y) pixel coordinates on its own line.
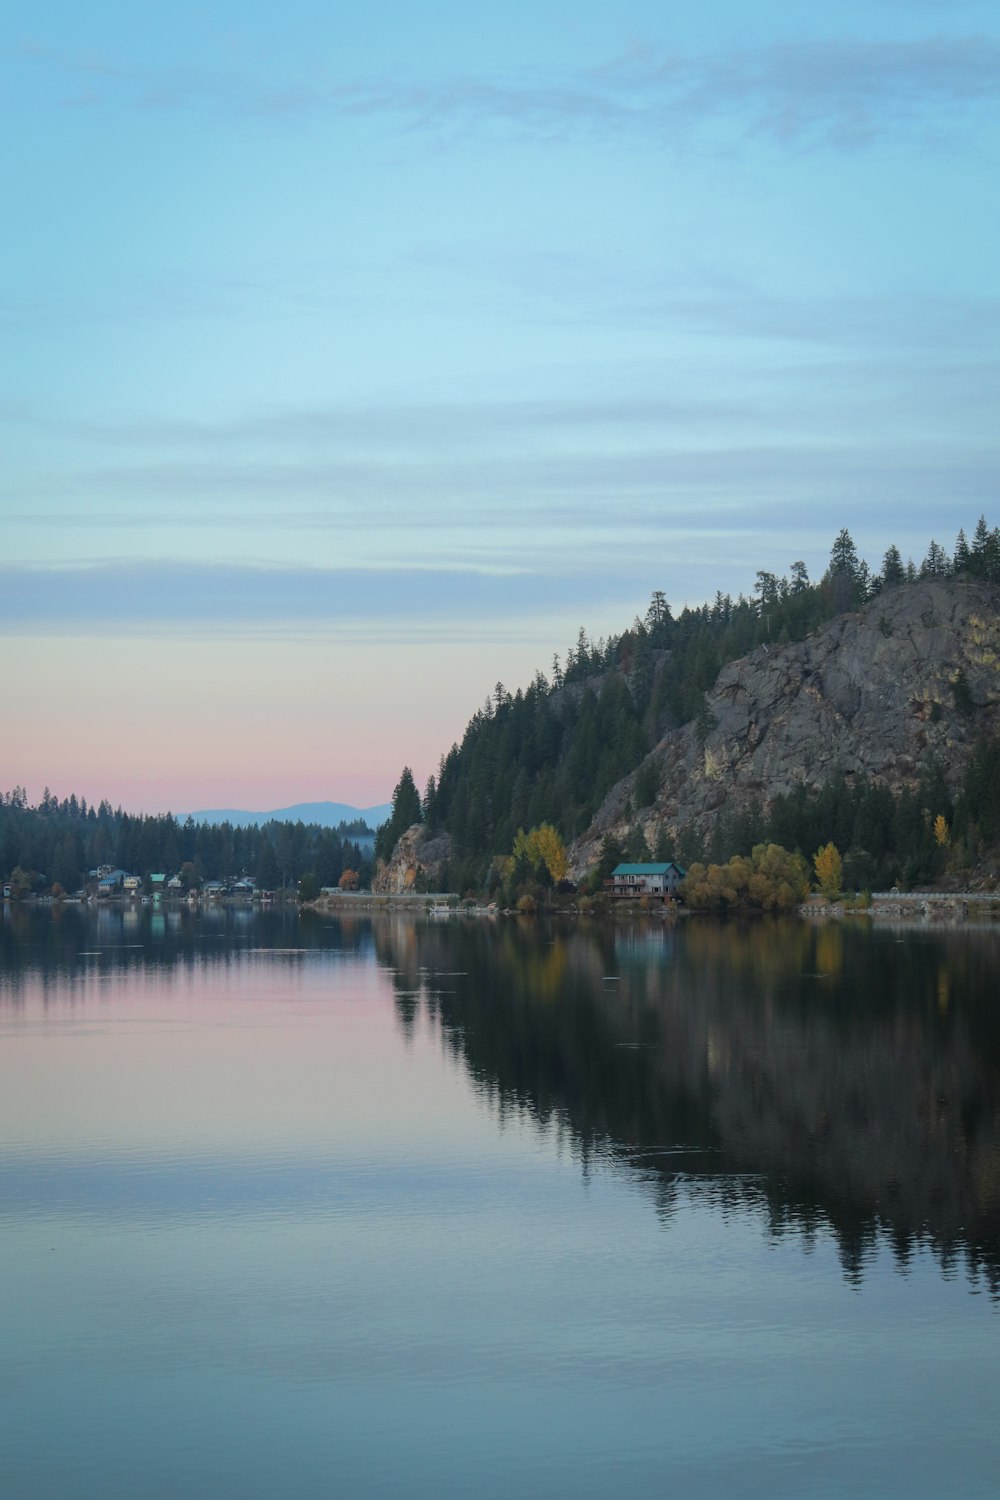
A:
(58, 842)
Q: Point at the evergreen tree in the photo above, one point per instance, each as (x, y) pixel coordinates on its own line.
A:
(844, 575)
(611, 856)
(406, 808)
(962, 556)
(664, 850)
(267, 872)
(658, 618)
(935, 564)
(636, 847)
(430, 795)
(979, 559)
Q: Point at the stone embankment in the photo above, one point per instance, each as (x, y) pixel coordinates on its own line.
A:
(914, 906)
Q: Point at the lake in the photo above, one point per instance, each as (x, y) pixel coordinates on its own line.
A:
(401, 1207)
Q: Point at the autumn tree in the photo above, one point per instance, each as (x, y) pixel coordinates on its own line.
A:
(770, 879)
(828, 866)
(543, 846)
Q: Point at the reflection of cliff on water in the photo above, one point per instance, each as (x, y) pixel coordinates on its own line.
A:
(61, 947)
(835, 1075)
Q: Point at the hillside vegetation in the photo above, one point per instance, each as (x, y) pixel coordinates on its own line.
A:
(585, 749)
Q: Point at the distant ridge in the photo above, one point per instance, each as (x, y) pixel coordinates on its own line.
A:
(328, 814)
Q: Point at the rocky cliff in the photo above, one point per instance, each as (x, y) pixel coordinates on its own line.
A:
(913, 676)
(418, 863)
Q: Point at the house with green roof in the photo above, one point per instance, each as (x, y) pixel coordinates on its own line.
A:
(657, 879)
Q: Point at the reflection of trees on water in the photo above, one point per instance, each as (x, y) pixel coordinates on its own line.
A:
(61, 947)
(833, 1075)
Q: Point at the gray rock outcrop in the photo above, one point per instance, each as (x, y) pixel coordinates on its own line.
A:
(417, 863)
(877, 693)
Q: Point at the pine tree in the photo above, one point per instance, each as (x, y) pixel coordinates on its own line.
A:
(935, 564)
(843, 574)
(406, 811)
(980, 552)
(844, 555)
(963, 556)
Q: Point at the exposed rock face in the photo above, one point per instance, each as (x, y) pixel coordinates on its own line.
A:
(416, 858)
(871, 693)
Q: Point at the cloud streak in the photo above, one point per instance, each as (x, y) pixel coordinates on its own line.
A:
(840, 93)
(735, 472)
(167, 594)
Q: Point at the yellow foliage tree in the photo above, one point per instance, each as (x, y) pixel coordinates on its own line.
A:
(941, 834)
(543, 846)
(771, 879)
(828, 865)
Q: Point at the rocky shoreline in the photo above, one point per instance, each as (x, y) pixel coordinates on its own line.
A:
(913, 907)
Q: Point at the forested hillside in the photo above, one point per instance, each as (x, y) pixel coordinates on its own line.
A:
(59, 842)
(551, 753)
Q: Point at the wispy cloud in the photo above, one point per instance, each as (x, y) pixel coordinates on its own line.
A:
(841, 93)
(401, 426)
(183, 595)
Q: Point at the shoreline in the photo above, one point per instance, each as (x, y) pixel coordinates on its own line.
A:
(911, 908)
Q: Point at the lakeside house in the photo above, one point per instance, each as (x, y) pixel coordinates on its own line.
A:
(660, 879)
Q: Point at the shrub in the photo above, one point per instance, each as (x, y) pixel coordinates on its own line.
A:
(772, 879)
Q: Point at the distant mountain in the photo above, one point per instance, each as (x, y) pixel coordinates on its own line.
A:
(327, 814)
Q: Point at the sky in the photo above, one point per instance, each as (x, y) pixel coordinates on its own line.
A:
(352, 357)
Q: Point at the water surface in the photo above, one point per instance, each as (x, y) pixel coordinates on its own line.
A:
(395, 1207)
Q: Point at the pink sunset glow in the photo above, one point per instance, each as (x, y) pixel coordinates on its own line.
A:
(232, 723)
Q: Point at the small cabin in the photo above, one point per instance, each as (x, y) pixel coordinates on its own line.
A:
(659, 879)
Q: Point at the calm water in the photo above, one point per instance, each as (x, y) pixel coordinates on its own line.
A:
(389, 1207)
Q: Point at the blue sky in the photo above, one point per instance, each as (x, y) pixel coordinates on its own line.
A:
(402, 340)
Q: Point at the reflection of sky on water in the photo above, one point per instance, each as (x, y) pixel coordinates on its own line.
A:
(824, 1077)
(251, 1054)
(284, 1219)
